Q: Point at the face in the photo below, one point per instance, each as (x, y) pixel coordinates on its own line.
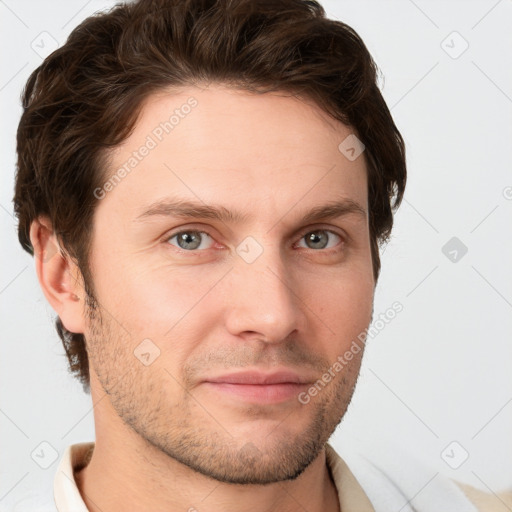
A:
(248, 280)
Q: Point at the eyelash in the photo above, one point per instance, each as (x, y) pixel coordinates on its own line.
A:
(195, 252)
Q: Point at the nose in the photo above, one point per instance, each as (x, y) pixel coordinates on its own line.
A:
(263, 301)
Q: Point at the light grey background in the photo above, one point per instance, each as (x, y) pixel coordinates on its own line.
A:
(440, 372)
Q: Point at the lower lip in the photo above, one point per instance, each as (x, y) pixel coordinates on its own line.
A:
(267, 393)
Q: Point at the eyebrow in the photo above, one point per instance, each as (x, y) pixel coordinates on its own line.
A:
(183, 208)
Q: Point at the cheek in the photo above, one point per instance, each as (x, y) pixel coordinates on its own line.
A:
(154, 302)
(344, 303)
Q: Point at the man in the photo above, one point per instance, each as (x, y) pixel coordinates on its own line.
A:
(205, 186)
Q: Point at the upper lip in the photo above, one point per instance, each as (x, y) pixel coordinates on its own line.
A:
(259, 377)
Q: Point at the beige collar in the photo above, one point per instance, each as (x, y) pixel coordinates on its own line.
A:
(67, 496)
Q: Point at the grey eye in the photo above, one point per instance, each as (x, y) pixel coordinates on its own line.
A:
(190, 240)
(320, 238)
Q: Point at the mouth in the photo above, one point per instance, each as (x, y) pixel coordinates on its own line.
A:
(260, 387)
(259, 393)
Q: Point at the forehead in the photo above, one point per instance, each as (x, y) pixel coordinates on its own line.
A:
(234, 147)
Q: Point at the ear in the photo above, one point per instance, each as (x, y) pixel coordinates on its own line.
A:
(59, 276)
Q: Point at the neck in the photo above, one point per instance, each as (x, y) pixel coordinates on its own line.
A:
(120, 478)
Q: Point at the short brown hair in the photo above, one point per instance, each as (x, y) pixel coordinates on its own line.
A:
(86, 96)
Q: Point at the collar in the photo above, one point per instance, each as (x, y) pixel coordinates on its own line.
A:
(77, 456)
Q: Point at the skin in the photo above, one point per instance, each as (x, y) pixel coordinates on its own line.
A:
(164, 439)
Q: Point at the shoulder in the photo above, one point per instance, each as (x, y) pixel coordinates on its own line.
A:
(393, 477)
(487, 501)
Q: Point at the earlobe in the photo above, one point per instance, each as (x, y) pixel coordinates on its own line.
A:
(58, 275)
